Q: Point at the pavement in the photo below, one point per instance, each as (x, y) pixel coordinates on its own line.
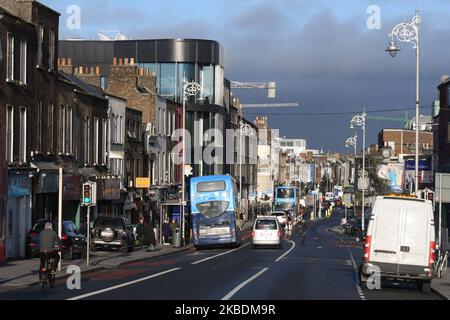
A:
(15, 274)
(324, 268)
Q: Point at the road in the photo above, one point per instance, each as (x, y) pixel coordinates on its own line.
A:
(324, 268)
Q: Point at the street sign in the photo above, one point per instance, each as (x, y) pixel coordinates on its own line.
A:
(142, 183)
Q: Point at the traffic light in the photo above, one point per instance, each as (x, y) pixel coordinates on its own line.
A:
(87, 194)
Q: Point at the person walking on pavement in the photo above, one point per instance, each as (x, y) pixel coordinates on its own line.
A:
(140, 230)
(149, 236)
(166, 231)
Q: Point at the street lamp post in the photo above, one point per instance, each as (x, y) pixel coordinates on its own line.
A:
(244, 130)
(190, 89)
(360, 121)
(352, 141)
(409, 32)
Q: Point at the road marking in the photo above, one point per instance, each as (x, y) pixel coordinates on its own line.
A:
(243, 284)
(123, 285)
(358, 287)
(287, 252)
(220, 254)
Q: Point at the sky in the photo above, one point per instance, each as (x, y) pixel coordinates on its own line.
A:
(321, 54)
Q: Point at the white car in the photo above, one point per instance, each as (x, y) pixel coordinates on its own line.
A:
(267, 232)
(281, 216)
(400, 241)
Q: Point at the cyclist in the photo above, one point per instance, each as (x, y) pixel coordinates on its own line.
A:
(49, 239)
(303, 227)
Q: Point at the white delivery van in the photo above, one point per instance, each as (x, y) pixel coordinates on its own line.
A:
(400, 240)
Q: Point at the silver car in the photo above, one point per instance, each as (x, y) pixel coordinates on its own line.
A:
(281, 216)
(267, 232)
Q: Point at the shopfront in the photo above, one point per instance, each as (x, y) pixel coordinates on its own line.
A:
(71, 198)
(45, 199)
(108, 196)
(18, 212)
(3, 198)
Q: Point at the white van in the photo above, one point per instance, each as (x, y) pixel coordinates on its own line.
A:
(400, 240)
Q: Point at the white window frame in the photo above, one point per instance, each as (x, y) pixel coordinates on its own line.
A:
(23, 135)
(62, 129)
(9, 150)
(40, 38)
(51, 49)
(69, 130)
(104, 141)
(51, 117)
(23, 61)
(10, 57)
(96, 153)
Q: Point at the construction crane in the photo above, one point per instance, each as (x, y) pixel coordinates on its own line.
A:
(270, 87)
(270, 105)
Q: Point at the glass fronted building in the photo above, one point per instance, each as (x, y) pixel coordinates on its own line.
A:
(171, 61)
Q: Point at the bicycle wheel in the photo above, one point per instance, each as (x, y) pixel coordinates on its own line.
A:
(44, 281)
(52, 280)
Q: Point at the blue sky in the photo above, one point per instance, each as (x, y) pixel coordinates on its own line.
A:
(319, 52)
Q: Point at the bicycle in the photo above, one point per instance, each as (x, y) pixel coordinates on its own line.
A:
(47, 276)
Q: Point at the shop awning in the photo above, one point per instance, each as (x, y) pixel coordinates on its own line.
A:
(44, 166)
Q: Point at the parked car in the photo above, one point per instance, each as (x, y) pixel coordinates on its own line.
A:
(72, 241)
(267, 232)
(401, 240)
(112, 232)
(281, 216)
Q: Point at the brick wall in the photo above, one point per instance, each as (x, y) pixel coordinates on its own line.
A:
(409, 140)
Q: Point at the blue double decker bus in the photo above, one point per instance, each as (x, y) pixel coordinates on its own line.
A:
(287, 198)
(214, 210)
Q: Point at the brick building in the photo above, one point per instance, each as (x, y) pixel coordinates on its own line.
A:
(28, 94)
(402, 141)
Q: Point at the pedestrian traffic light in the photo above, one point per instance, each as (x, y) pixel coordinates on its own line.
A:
(87, 194)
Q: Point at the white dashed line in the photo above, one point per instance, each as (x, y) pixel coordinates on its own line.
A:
(358, 287)
(243, 284)
(220, 254)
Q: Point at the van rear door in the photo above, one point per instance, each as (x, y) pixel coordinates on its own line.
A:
(416, 237)
(385, 235)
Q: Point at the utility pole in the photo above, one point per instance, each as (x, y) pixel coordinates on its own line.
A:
(60, 200)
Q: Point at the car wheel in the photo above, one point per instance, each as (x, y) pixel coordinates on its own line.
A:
(124, 249)
(424, 286)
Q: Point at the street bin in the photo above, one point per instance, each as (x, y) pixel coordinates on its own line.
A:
(176, 239)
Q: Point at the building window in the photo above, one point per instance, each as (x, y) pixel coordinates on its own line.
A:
(40, 44)
(87, 137)
(61, 129)
(104, 141)
(96, 158)
(51, 49)
(23, 135)
(10, 58)
(50, 127)
(23, 61)
(39, 126)
(9, 133)
(121, 130)
(68, 130)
